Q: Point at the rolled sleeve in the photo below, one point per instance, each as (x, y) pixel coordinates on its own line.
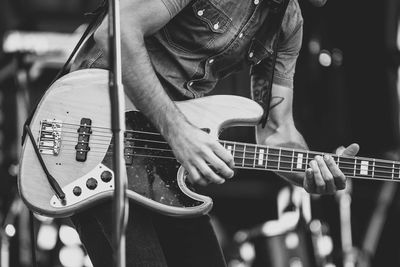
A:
(175, 6)
(289, 46)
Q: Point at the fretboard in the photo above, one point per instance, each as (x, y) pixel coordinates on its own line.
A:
(249, 156)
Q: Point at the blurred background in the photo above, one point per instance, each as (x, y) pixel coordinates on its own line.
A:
(346, 90)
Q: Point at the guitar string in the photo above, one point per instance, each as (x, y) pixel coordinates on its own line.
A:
(270, 168)
(254, 158)
(260, 146)
(268, 162)
(240, 143)
(377, 163)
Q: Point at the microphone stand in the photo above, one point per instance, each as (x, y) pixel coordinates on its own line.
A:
(117, 96)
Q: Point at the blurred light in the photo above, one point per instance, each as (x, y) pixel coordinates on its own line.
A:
(292, 241)
(325, 58)
(315, 226)
(47, 237)
(247, 251)
(398, 35)
(87, 262)
(295, 262)
(43, 219)
(72, 256)
(69, 236)
(325, 245)
(314, 46)
(236, 263)
(337, 57)
(10, 230)
(329, 264)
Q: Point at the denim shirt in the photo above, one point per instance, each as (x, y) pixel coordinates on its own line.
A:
(210, 39)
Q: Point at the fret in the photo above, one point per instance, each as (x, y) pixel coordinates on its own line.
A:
(291, 166)
(244, 155)
(273, 158)
(396, 170)
(383, 170)
(347, 166)
(355, 162)
(255, 157)
(393, 170)
(338, 161)
(266, 158)
(249, 156)
(286, 160)
(373, 169)
(235, 158)
(279, 158)
(239, 154)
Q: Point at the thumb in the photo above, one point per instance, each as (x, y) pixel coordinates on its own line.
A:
(351, 150)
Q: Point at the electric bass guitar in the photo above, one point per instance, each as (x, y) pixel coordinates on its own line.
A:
(66, 164)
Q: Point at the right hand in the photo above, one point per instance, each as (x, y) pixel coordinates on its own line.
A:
(203, 157)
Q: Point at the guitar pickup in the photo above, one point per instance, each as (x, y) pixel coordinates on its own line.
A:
(82, 147)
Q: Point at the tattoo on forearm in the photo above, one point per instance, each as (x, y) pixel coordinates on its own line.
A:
(259, 89)
(276, 101)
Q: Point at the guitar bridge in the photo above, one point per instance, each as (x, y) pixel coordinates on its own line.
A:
(50, 137)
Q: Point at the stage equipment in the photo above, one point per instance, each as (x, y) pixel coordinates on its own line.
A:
(117, 101)
(290, 241)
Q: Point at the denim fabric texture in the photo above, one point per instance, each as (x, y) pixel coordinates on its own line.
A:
(207, 41)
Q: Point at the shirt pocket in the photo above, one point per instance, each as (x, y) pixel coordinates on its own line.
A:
(196, 27)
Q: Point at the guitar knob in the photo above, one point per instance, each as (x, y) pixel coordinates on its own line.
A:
(77, 191)
(106, 176)
(91, 183)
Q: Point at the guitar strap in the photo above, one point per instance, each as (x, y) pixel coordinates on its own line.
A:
(265, 44)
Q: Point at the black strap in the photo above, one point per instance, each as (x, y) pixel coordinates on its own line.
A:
(52, 181)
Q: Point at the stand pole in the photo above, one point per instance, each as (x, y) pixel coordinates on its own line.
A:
(120, 202)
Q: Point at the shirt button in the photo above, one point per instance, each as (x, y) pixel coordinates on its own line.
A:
(241, 35)
(200, 12)
(256, 2)
(216, 26)
(211, 61)
(191, 83)
(251, 54)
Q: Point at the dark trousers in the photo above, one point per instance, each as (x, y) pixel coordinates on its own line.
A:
(152, 240)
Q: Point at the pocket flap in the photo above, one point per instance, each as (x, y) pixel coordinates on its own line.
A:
(207, 12)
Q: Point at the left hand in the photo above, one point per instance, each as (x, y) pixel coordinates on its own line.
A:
(324, 176)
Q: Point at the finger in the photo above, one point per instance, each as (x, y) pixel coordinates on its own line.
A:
(319, 181)
(219, 166)
(194, 176)
(224, 155)
(351, 150)
(330, 187)
(338, 176)
(339, 150)
(308, 182)
(208, 174)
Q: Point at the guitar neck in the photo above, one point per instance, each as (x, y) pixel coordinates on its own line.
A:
(250, 156)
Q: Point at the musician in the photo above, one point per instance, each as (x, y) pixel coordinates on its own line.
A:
(179, 49)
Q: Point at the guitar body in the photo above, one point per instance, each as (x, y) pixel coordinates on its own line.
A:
(72, 129)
